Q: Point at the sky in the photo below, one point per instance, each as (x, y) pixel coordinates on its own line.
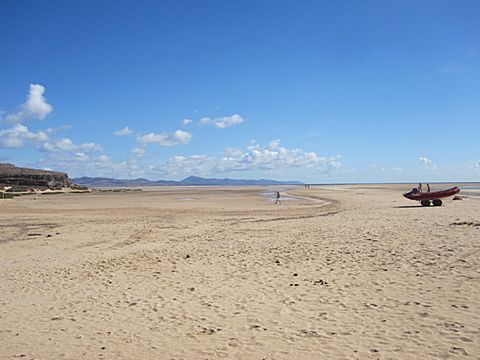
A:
(316, 91)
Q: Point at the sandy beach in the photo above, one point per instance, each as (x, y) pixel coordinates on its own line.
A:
(335, 272)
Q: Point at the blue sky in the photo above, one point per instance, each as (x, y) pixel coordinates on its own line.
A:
(320, 91)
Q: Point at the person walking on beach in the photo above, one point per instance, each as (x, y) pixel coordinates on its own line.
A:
(419, 187)
(428, 187)
(278, 201)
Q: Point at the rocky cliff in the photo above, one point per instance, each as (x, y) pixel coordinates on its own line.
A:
(22, 179)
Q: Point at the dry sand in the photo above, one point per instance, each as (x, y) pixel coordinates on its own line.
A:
(207, 273)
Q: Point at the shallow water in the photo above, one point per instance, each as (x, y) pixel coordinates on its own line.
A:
(271, 196)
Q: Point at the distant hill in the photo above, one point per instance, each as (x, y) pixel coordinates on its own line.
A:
(195, 180)
(191, 180)
(104, 182)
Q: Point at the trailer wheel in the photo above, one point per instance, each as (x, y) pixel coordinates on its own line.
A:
(437, 202)
(425, 202)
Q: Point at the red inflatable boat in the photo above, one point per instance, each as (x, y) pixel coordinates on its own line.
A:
(433, 196)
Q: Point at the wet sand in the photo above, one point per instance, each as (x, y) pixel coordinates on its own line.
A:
(205, 273)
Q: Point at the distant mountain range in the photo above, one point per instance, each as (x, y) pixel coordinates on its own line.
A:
(189, 181)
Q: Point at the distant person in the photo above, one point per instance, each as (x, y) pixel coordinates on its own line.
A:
(428, 187)
(419, 187)
(278, 201)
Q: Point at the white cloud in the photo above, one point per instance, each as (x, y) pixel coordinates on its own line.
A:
(138, 151)
(222, 122)
(75, 165)
(123, 132)
(67, 145)
(59, 129)
(81, 156)
(18, 135)
(187, 121)
(253, 158)
(35, 108)
(104, 158)
(424, 160)
(179, 137)
(427, 163)
(67, 160)
(397, 168)
(272, 145)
